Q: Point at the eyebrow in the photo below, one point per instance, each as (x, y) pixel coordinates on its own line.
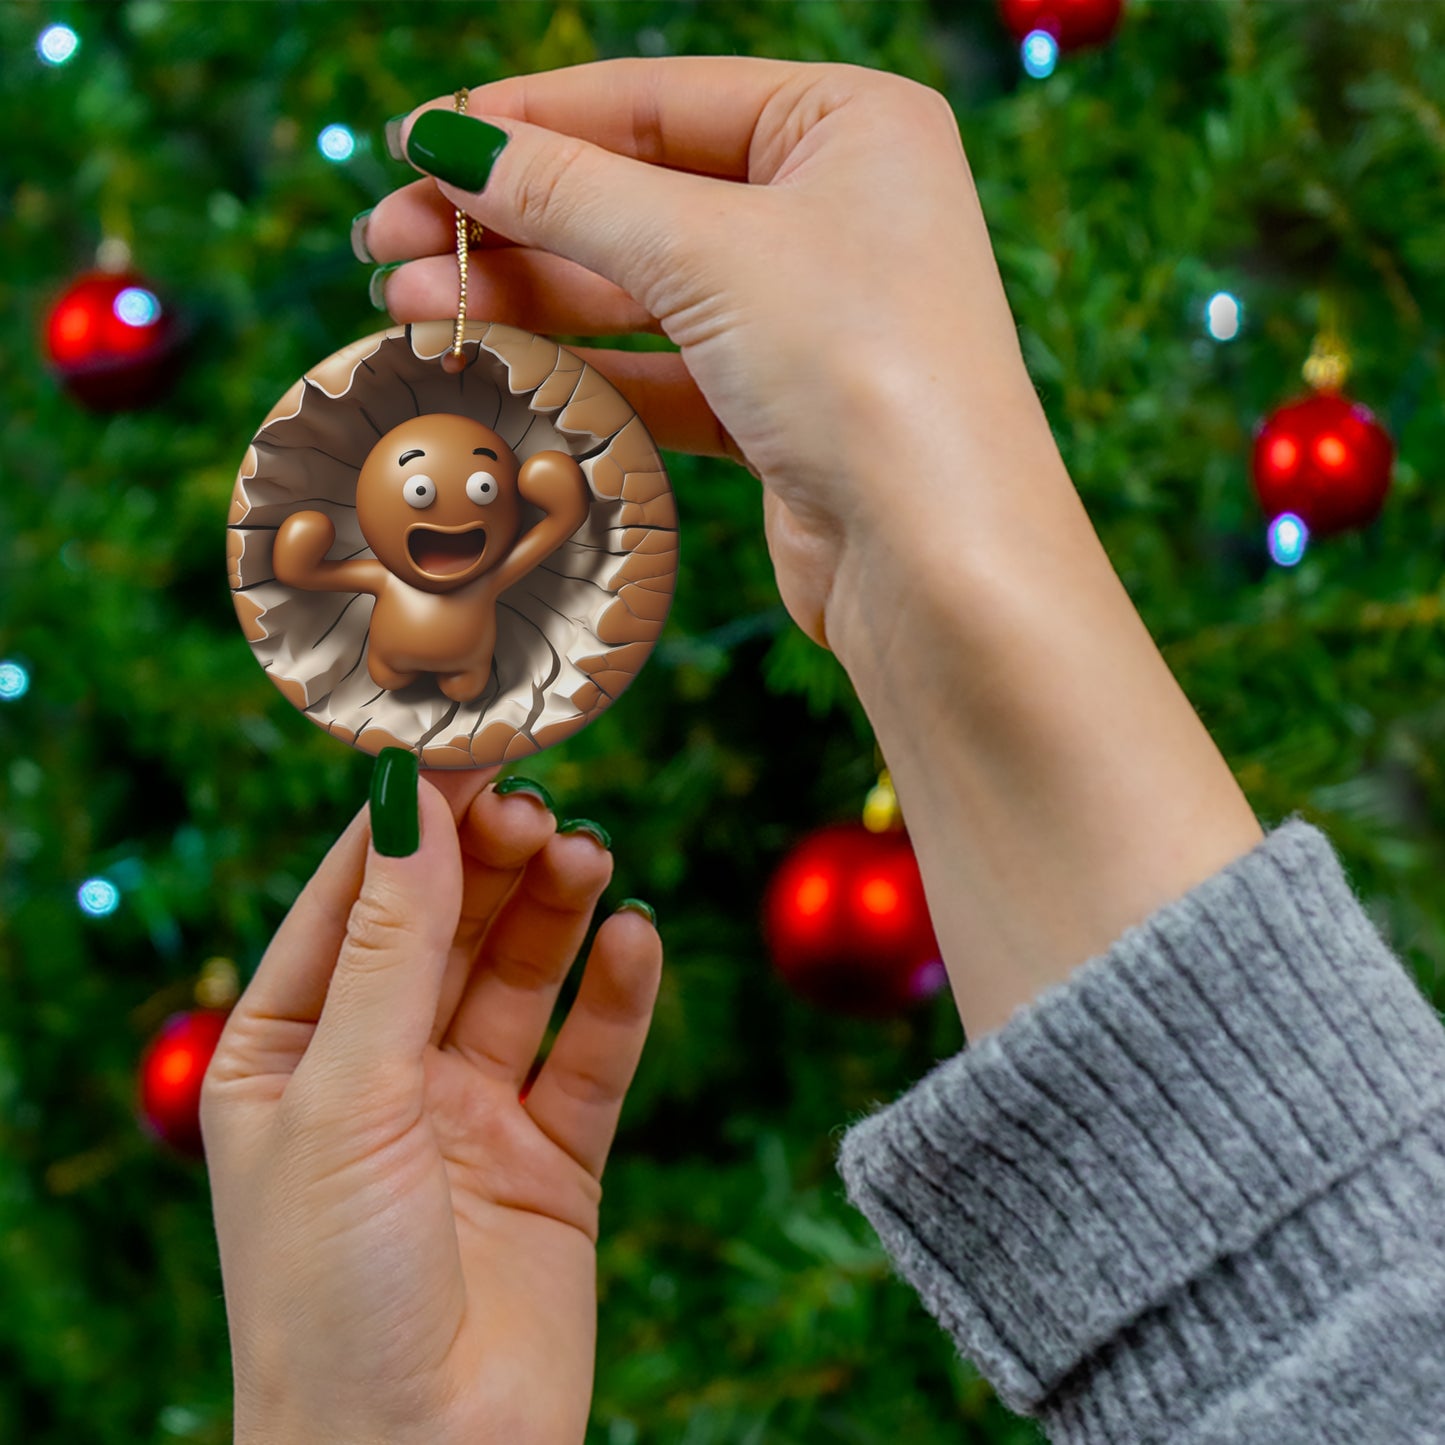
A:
(405, 457)
(484, 452)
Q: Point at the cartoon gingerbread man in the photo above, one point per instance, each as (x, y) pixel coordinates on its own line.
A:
(438, 501)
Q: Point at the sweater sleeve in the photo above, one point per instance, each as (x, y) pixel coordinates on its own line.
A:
(1196, 1192)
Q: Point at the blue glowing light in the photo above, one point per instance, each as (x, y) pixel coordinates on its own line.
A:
(98, 897)
(1288, 538)
(336, 143)
(1040, 52)
(1223, 316)
(136, 306)
(14, 681)
(57, 44)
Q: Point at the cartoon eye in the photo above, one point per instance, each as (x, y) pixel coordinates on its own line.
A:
(482, 488)
(419, 491)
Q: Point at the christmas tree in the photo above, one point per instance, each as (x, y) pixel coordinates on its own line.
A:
(1179, 214)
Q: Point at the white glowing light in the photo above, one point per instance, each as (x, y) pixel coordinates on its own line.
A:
(57, 44)
(136, 306)
(1223, 316)
(14, 681)
(1288, 537)
(98, 897)
(1040, 52)
(336, 143)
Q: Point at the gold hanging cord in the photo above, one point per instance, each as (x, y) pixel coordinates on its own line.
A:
(469, 233)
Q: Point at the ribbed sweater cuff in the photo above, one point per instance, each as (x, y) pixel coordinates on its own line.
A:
(1143, 1178)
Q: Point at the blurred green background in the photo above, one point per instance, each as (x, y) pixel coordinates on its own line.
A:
(1287, 153)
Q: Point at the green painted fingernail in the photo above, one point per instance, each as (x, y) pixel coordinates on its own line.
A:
(526, 785)
(455, 148)
(377, 289)
(395, 824)
(586, 825)
(393, 136)
(358, 236)
(636, 905)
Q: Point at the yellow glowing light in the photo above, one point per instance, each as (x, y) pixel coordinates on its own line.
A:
(812, 895)
(879, 897)
(1331, 451)
(177, 1067)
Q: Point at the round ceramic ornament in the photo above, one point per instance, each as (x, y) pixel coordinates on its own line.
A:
(460, 541)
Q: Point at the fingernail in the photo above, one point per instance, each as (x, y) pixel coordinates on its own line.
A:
(358, 236)
(393, 136)
(377, 287)
(395, 824)
(526, 785)
(455, 148)
(586, 825)
(636, 905)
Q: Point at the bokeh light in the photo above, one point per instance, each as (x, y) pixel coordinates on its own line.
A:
(137, 307)
(336, 143)
(1040, 52)
(1288, 538)
(98, 897)
(14, 681)
(57, 44)
(1223, 316)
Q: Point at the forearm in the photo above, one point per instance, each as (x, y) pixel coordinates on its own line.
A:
(1056, 782)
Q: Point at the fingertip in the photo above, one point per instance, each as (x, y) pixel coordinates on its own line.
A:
(459, 786)
(636, 905)
(505, 830)
(631, 931)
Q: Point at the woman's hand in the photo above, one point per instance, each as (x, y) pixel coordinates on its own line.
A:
(809, 236)
(408, 1246)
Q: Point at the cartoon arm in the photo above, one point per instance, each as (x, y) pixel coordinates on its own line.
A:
(554, 482)
(298, 558)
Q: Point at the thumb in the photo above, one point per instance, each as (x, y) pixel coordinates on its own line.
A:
(382, 1000)
(632, 223)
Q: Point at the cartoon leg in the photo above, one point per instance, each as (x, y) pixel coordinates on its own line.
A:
(465, 686)
(385, 676)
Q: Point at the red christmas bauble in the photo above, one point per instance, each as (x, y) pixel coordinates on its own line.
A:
(112, 341)
(171, 1072)
(1324, 458)
(1073, 23)
(847, 924)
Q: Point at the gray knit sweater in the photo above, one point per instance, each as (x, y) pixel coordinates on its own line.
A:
(1196, 1192)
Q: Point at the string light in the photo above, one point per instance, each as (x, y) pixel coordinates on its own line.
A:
(1223, 316)
(1040, 52)
(98, 897)
(57, 44)
(14, 681)
(136, 306)
(1288, 538)
(336, 143)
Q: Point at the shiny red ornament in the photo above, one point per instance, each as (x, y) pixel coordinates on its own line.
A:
(171, 1072)
(112, 341)
(1324, 458)
(1073, 23)
(847, 924)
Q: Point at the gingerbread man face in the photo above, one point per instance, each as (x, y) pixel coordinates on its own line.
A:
(437, 501)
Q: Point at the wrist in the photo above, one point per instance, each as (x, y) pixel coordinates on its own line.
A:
(1057, 784)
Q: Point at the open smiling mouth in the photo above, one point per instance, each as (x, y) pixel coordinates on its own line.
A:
(445, 554)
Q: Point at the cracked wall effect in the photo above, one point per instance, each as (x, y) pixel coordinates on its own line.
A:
(571, 635)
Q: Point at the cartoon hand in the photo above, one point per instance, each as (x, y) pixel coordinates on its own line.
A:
(303, 539)
(553, 481)
(408, 1245)
(298, 558)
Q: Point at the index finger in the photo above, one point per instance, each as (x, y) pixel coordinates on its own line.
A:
(697, 113)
